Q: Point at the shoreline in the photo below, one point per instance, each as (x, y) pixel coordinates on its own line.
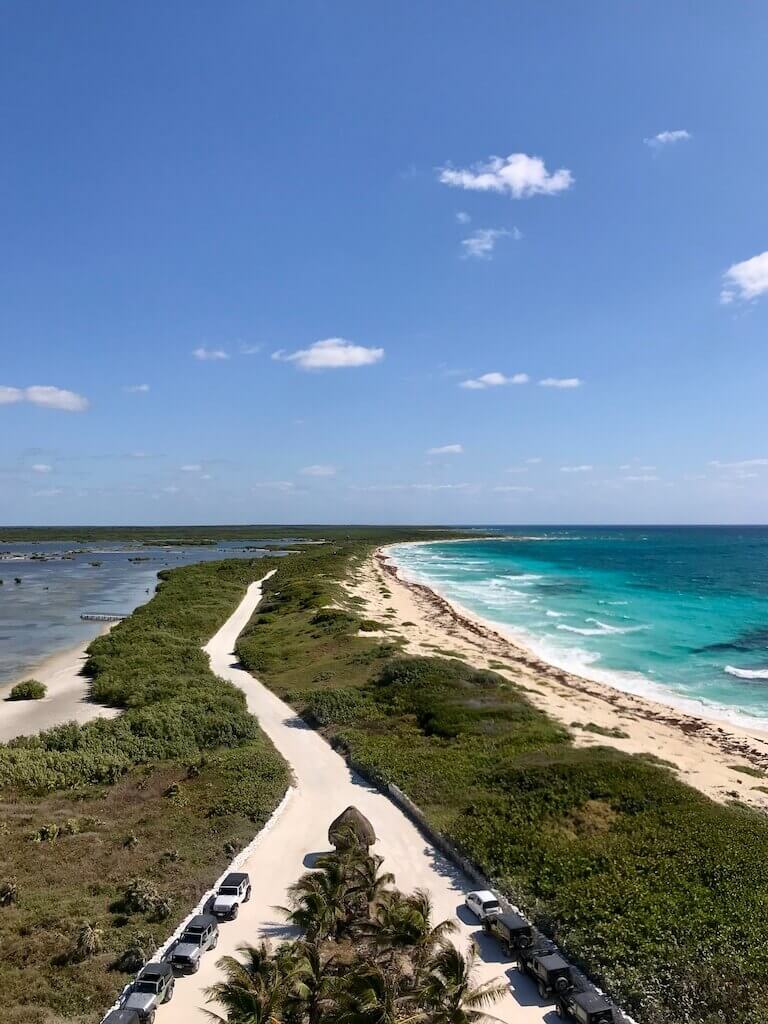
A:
(67, 699)
(722, 760)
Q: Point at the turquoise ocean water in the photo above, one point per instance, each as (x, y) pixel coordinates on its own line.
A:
(676, 614)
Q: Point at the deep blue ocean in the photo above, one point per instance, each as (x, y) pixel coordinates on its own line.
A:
(678, 614)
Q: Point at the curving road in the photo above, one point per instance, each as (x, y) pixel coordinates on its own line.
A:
(324, 787)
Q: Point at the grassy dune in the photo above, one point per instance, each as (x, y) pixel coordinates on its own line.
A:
(656, 890)
(109, 832)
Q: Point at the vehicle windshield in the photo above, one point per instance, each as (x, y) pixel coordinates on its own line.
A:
(146, 986)
(491, 905)
(228, 890)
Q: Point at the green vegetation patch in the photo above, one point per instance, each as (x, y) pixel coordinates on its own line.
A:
(112, 830)
(28, 689)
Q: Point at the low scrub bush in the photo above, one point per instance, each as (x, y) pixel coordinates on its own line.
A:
(29, 689)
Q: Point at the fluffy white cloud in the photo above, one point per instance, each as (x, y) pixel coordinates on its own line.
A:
(746, 280)
(667, 138)
(481, 243)
(191, 467)
(462, 217)
(561, 382)
(41, 467)
(446, 449)
(331, 354)
(493, 380)
(319, 470)
(517, 175)
(45, 395)
(209, 354)
(576, 469)
(136, 389)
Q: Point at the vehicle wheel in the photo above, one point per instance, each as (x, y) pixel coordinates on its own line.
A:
(486, 927)
(196, 967)
(247, 894)
(215, 942)
(150, 1018)
(560, 1011)
(542, 990)
(235, 912)
(169, 992)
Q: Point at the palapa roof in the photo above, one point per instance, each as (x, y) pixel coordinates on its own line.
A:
(351, 821)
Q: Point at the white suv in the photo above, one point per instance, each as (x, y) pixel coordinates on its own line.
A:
(234, 890)
(483, 903)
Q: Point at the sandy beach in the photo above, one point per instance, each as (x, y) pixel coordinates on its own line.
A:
(715, 757)
(65, 701)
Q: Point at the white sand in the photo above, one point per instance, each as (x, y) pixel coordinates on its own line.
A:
(324, 787)
(702, 750)
(66, 700)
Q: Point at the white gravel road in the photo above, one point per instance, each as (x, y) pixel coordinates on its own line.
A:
(324, 787)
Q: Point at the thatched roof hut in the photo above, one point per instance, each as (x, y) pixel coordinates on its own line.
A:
(351, 827)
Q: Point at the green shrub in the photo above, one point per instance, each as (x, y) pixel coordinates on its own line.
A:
(337, 707)
(29, 689)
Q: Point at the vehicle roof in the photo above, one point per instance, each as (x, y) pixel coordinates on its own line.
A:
(200, 921)
(485, 894)
(553, 962)
(513, 920)
(122, 1017)
(156, 969)
(591, 1001)
(235, 878)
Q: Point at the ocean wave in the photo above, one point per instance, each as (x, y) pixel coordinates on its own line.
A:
(747, 673)
(522, 577)
(556, 615)
(602, 629)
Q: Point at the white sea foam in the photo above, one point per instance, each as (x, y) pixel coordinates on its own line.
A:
(600, 629)
(555, 615)
(747, 673)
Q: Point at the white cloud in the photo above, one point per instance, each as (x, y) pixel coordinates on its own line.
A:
(273, 485)
(191, 467)
(48, 492)
(517, 175)
(493, 380)
(561, 382)
(447, 449)
(462, 217)
(667, 138)
(743, 464)
(319, 470)
(576, 469)
(411, 487)
(41, 467)
(210, 354)
(136, 389)
(510, 488)
(533, 462)
(481, 243)
(140, 455)
(746, 280)
(249, 350)
(640, 478)
(331, 354)
(45, 395)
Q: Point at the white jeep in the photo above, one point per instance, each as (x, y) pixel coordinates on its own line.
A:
(234, 890)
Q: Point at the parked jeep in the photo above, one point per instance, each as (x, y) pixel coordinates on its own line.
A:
(201, 934)
(552, 973)
(586, 1008)
(234, 890)
(122, 1017)
(512, 930)
(153, 986)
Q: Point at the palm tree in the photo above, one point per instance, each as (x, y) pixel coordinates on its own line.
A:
(368, 880)
(313, 981)
(89, 941)
(253, 988)
(321, 900)
(448, 993)
(372, 995)
(404, 923)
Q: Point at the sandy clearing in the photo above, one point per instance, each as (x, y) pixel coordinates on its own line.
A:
(702, 751)
(325, 786)
(66, 700)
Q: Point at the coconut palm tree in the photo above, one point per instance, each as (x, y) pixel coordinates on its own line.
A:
(373, 995)
(313, 981)
(321, 900)
(89, 941)
(447, 991)
(404, 924)
(253, 989)
(368, 880)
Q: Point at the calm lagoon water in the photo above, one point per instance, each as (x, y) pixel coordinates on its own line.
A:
(676, 614)
(41, 615)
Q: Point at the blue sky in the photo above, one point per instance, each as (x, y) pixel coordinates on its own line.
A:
(194, 196)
